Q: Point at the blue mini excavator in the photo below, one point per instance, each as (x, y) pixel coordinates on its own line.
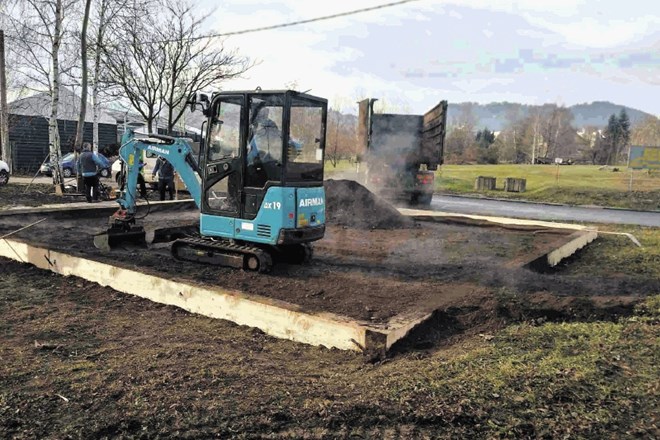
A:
(257, 179)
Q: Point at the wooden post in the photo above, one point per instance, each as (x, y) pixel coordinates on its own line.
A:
(630, 186)
(5, 146)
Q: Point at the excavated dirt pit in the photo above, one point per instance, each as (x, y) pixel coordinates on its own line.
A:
(361, 272)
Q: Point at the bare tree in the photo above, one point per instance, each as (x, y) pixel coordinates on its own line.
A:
(193, 63)
(341, 136)
(159, 66)
(105, 16)
(341, 140)
(460, 146)
(83, 92)
(558, 132)
(646, 132)
(39, 32)
(134, 64)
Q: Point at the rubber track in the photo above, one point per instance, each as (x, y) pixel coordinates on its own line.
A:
(226, 247)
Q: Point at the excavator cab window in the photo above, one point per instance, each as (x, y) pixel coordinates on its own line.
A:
(306, 143)
(225, 132)
(265, 140)
(222, 168)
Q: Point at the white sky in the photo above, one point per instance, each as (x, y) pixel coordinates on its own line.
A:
(413, 55)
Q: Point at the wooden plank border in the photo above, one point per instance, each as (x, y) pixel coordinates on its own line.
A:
(275, 318)
(421, 213)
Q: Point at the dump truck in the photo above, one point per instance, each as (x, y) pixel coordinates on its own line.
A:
(401, 152)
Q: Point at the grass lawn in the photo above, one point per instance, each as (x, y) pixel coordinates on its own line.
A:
(619, 253)
(574, 184)
(571, 185)
(556, 380)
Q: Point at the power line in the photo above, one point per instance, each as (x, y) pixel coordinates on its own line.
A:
(287, 24)
(298, 22)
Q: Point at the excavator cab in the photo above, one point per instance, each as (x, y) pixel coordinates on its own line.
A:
(262, 167)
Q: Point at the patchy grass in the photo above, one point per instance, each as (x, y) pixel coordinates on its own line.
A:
(565, 380)
(130, 368)
(619, 253)
(574, 184)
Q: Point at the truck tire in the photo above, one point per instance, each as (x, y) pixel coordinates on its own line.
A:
(417, 199)
(4, 177)
(424, 199)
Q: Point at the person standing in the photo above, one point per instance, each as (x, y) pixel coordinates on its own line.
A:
(141, 183)
(88, 167)
(165, 172)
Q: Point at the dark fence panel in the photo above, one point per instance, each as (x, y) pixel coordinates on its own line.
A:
(29, 138)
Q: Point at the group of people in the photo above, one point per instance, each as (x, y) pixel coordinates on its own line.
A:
(89, 164)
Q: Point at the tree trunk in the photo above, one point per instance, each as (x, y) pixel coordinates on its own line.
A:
(53, 131)
(96, 105)
(7, 155)
(554, 147)
(96, 110)
(170, 124)
(83, 92)
(334, 156)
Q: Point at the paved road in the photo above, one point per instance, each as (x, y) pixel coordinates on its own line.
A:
(539, 211)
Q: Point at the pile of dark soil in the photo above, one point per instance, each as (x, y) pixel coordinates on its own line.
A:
(348, 203)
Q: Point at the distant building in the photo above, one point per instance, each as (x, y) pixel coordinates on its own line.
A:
(129, 119)
(28, 128)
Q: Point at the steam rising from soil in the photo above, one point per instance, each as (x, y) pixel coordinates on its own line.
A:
(350, 204)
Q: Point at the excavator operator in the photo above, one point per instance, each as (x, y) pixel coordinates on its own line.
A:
(264, 150)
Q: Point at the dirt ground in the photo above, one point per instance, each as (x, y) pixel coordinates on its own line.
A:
(369, 268)
(38, 194)
(370, 275)
(17, 194)
(83, 361)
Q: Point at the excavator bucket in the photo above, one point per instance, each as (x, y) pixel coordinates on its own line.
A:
(114, 237)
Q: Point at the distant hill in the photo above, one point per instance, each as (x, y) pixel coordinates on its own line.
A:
(496, 115)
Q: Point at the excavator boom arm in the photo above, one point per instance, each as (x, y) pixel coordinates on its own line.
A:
(177, 152)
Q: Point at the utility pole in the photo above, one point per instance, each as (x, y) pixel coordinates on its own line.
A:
(5, 147)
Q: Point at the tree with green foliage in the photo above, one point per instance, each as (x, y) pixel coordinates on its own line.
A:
(616, 138)
(486, 150)
(624, 127)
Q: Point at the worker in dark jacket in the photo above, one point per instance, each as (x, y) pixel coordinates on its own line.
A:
(88, 166)
(141, 183)
(165, 172)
